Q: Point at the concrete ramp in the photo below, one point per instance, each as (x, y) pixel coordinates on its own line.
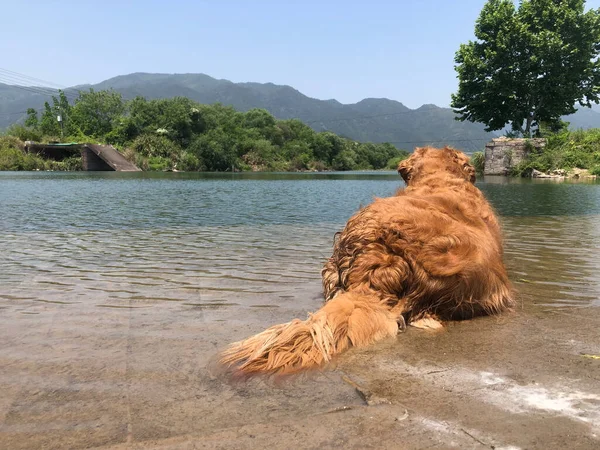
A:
(106, 158)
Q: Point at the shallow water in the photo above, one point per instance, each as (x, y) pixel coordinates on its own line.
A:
(143, 240)
(117, 291)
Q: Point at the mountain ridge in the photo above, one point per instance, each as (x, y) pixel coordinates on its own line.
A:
(368, 120)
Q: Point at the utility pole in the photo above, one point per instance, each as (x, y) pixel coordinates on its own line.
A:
(60, 120)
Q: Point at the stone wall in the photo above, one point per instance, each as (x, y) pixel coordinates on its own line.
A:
(502, 154)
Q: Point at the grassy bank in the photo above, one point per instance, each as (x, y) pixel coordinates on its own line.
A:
(566, 151)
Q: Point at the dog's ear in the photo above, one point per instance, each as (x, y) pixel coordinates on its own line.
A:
(405, 169)
(462, 161)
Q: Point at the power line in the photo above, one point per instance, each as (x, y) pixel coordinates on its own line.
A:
(46, 92)
(28, 83)
(19, 81)
(37, 80)
(32, 90)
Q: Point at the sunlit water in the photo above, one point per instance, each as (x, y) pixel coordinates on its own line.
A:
(220, 240)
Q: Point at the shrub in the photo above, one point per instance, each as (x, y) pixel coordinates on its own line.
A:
(159, 163)
(189, 162)
(478, 161)
(16, 159)
(151, 145)
(23, 133)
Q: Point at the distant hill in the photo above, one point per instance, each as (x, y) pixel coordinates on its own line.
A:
(372, 120)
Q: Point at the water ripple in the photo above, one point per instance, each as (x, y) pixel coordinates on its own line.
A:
(113, 242)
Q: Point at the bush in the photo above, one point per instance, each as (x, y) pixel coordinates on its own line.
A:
(478, 161)
(181, 134)
(68, 164)
(189, 162)
(565, 150)
(159, 163)
(17, 159)
(8, 141)
(152, 145)
(23, 133)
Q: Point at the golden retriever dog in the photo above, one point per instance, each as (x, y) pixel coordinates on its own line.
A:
(429, 254)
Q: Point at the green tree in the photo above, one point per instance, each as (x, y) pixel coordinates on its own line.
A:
(96, 113)
(529, 64)
(48, 123)
(32, 118)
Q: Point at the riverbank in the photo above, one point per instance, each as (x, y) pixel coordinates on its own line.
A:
(15, 157)
(180, 134)
(561, 155)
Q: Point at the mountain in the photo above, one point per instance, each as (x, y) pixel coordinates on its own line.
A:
(371, 119)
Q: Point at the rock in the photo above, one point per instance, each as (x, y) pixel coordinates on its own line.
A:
(538, 174)
(559, 172)
(581, 173)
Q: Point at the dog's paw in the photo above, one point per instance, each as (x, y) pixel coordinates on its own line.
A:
(427, 323)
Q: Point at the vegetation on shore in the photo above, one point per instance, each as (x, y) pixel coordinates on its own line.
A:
(565, 150)
(180, 134)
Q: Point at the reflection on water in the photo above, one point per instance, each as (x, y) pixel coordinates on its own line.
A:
(214, 241)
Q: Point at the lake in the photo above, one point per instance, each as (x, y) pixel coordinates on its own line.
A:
(117, 290)
(153, 237)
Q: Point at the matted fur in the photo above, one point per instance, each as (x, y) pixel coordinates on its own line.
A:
(434, 251)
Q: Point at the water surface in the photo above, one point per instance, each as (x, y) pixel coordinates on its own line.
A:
(221, 240)
(117, 291)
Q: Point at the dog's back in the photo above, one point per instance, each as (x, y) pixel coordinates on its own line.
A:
(433, 252)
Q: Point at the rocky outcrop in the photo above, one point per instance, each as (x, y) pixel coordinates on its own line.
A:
(502, 154)
(561, 174)
(537, 174)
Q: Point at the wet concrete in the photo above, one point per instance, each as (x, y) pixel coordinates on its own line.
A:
(72, 376)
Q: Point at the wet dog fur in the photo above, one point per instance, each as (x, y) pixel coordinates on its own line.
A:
(431, 253)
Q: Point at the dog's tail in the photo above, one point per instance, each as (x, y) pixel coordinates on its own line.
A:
(350, 319)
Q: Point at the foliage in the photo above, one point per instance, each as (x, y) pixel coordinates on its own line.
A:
(12, 156)
(179, 134)
(152, 145)
(32, 118)
(95, 113)
(478, 161)
(24, 133)
(528, 65)
(565, 150)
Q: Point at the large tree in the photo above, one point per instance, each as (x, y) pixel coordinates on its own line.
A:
(97, 112)
(529, 64)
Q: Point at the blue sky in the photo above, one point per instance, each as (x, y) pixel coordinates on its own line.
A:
(346, 50)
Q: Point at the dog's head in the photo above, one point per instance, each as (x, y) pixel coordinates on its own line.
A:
(428, 161)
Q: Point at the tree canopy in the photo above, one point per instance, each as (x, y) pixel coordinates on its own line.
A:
(178, 133)
(528, 65)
